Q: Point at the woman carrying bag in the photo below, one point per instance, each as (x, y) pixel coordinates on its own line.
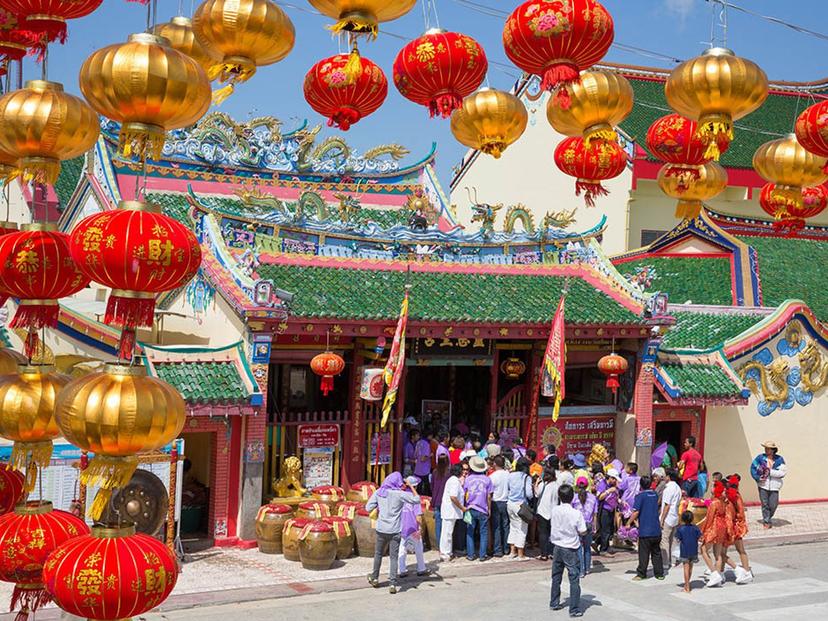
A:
(519, 507)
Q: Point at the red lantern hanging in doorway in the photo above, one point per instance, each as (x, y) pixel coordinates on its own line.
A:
(328, 365)
(612, 366)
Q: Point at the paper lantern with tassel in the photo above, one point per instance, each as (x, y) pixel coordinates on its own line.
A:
(591, 164)
(345, 88)
(148, 87)
(785, 162)
(28, 535)
(243, 35)
(599, 102)
(789, 212)
(362, 16)
(15, 39)
(41, 125)
(138, 252)
(439, 69)
(117, 414)
(812, 128)
(613, 366)
(716, 89)
(179, 32)
(557, 39)
(327, 365)
(675, 140)
(113, 573)
(27, 416)
(489, 120)
(692, 188)
(47, 18)
(12, 489)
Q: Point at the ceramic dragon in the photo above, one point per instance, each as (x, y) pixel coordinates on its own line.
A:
(773, 379)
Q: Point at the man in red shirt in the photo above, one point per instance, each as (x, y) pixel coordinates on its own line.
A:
(689, 465)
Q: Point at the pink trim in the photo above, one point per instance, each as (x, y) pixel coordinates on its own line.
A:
(734, 349)
(584, 272)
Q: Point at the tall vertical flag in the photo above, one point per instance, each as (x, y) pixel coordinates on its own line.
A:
(554, 361)
(395, 366)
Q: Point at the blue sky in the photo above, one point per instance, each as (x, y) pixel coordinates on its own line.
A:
(674, 28)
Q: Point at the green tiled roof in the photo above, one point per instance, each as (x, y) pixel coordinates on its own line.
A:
(383, 218)
(173, 205)
(442, 297)
(204, 382)
(791, 268)
(687, 279)
(776, 116)
(70, 173)
(705, 331)
(701, 380)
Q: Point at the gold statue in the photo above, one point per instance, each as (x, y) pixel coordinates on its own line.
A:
(289, 485)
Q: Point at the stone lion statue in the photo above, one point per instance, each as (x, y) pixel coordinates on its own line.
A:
(289, 485)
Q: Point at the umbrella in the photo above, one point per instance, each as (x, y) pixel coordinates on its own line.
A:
(658, 455)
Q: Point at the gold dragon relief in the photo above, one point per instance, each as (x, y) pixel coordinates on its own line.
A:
(772, 385)
(813, 367)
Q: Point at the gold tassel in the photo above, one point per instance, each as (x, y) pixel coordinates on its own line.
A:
(109, 473)
(356, 25)
(100, 503)
(353, 68)
(30, 457)
(220, 95)
(688, 210)
(710, 131)
(603, 133)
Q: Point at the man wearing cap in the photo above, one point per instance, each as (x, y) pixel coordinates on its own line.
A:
(768, 470)
(478, 488)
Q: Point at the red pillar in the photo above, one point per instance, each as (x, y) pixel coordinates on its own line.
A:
(353, 464)
(643, 410)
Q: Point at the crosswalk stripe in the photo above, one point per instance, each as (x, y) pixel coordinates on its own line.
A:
(792, 613)
(731, 594)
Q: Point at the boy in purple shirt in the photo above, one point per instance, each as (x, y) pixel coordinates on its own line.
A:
(478, 488)
(607, 492)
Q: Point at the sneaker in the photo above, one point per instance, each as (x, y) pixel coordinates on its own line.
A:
(424, 573)
(659, 577)
(638, 578)
(483, 559)
(403, 574)
(445, 559)
(746, 577)
(392, 589)
(577, 613)
(706, 574)
(373, 581)
(716, 579)
(557, 607)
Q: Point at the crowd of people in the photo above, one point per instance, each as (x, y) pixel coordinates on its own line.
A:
(570, 509)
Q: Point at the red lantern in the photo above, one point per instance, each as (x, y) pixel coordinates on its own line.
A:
(27, 537)
(439, 69)
(138, 252)
(601, 160)
(11, 489)
(790, 214)
(37, 267)
(812, 129)
(112, 573)
(48, 17)
(557, 39)
(14, 40)
(327, 365)
(345, 88)
(513, 368)
(612, 366)
(674, 139)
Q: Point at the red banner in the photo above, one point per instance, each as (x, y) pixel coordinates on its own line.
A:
(554, 361)
(318, 436)
(577, 434)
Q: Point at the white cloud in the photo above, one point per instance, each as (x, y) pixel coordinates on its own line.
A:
(682, 8)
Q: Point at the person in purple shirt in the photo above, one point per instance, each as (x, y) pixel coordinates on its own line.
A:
(442, 445)
(587, 503)
(628, 486)
(409, 461)
(422, 462)
(478, 488)
(607, 492)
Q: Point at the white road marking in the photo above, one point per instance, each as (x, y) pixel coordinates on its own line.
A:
(792, 613)
(732, 593)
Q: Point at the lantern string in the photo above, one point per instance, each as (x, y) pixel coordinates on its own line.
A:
(181, 7)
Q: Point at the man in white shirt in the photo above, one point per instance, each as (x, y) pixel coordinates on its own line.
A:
(566, 525)
(500, 514)
(451, 510)
(670, 499)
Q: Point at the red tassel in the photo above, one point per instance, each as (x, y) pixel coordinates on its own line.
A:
(326, 384)
(444, 105)
(130, 312)
(559, 74)
(612, 382)
(30, 344)
(344, 118)
(30, 598)
(126, 346)
(591, 189)
(36, 316)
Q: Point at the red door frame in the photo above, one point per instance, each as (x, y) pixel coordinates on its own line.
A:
(695, 415)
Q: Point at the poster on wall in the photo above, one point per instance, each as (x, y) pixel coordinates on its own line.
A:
(576, 434)
(318, 436)
(380, 449)
(317, 464)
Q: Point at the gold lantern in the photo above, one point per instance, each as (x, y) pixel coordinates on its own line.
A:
(243, 35)
(489, 120)
(362, 16)
(716, 89)
(785, 162)
(118, 413)
(8, 167)
(41, 125)
(27, 416)
(707, 181)
(10, 360)
(148, 87)
(179, 32)
(599, 102)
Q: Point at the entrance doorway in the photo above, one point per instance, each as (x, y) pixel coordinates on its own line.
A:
(195, 497)
(449, 397)
(672, 432)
